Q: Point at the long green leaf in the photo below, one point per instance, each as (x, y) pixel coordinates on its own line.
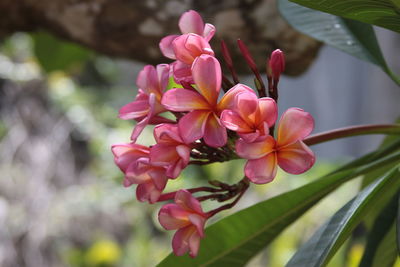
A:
(238, 237)
(378, 237)
(328, 239)
(352, 37)
(382, 13)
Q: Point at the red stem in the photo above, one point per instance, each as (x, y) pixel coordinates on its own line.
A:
(352, 131)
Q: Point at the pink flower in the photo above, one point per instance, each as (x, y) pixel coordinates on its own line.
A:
(288, 151)
(190, 22)
(187, 48)
(188, 218)
(276, 64)
(202, 121)
(133, 160)
(250, 117)
(152, 83)
(170, 151)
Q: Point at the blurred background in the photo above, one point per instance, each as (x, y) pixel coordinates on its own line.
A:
(61, 198)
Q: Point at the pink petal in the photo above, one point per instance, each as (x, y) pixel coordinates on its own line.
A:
(158, 177)
(166, 46)
(180, 241)
(147, 192)
(147, 80)
(182, 72)
(134, 110)
(255, 150)
(163, 76)
(127, 154)
(163, 155)
(296, 158)
(167, 133)
(198, 221)
(209, 31)
(252, 136)
(184, 100)
(173, 217)
(263, 170)
(191, 22)
(214, 133)
(228, 100)
(184, 54)
(267, 111)
(192, 125)
(246, 104)
(206, 72)
(185, 200)
(194, 244)
(231, 120)
(145, 121)
(294, 125)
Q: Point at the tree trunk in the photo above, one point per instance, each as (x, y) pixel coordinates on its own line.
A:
(132, 29)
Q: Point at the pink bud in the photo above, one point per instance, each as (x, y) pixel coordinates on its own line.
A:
(277, 63)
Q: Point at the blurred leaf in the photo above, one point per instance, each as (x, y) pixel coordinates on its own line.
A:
(382, 13)
(381, 235)
(327, 240)
(54, 54)
(352, 37)
(238, 237)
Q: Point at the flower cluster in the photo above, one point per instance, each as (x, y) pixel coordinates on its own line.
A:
(208, 128)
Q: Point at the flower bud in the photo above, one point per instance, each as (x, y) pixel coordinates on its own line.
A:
(276, 64)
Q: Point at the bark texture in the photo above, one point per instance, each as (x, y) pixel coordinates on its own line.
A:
(132, 29)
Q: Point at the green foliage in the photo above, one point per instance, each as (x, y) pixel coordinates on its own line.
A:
(353, 37)
(53, 54)
(380, 249)
(327, 240)
(382, 13)
(237, 238)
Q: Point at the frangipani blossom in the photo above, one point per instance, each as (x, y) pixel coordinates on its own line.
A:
(202, 121)
(190, 22)
(288, 151)
(152, 83)
(133, 160)
(170, 151)
(251, 117)
(187, 48)
(186, 216)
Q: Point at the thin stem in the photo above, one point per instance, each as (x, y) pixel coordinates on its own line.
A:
(352, 131)
(228, 60)
(242, 187)
(250, 61)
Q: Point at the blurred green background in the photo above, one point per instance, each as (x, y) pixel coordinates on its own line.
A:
(62, 202)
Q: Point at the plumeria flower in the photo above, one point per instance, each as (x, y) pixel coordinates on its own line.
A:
(184, 48)
(133, 160)
(288, 151)
(251, 117)
(186, 216)
(190, 22)
(202, 121)
(152, 82)
(170, 151)
(187, 48)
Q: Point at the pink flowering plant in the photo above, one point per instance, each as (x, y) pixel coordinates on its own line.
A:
(217, 119)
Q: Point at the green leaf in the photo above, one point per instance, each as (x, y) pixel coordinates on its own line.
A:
(382, 13)
(352, 37)
(54, 54)
(238, 237)
(327, 240)
(382, 236)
